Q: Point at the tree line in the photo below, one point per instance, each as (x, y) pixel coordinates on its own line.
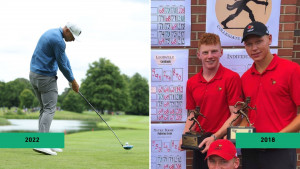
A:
(104, 86)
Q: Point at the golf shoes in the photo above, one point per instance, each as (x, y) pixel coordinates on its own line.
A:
(56, 150)
(46, 151)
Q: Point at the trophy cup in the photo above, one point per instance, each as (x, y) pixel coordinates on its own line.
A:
(232, 130)
(192, 139)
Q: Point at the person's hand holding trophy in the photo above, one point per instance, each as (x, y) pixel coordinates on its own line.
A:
(232, 130)
(192, 139)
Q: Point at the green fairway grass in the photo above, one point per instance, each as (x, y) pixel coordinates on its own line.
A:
(89, 149)
(86, 150)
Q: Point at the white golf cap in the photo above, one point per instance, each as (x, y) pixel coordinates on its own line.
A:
(74, 29)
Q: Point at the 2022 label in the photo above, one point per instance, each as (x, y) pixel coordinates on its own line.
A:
(32, 139)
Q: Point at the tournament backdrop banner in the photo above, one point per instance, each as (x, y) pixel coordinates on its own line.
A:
(238, 60)
(170, 22)
(229, 18)
(164, 146)
(169, 74)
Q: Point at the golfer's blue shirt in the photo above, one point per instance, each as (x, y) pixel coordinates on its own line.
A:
(49, 55)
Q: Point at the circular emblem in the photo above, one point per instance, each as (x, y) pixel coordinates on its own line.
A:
(234, 15)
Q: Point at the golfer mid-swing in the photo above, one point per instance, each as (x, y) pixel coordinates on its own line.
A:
(48, 56)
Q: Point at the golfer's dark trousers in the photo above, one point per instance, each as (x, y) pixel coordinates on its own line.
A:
(198, 160)
(269, 158)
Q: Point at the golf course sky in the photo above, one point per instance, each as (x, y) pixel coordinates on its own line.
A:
(118, 30)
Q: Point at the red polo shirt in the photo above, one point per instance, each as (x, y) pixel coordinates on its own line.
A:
(213, 97)
(275, 93)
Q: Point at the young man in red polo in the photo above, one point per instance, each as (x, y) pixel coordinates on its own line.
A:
(215, 89)
(272, 83)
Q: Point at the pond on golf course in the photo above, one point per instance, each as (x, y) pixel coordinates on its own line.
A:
(31, 125)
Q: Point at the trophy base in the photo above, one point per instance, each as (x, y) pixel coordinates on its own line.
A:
(231, 132)
(191, 140)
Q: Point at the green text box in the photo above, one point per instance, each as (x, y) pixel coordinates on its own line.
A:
(32, 140)
(267, 140)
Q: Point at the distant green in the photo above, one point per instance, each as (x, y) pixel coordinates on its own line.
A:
(66, 115)
(4, 122)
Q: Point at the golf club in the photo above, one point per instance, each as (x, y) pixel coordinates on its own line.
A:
(126, 146)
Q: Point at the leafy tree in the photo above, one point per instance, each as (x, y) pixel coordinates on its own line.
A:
(126, 78)
(36, 102)
(105, 87)
(26, 98)
(139, 95)
(13, 89)
(73, 102)
(2, 92)
(126, 90)
(62, 96)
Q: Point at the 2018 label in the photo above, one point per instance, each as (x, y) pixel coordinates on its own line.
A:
(32, 139)
(267, 139)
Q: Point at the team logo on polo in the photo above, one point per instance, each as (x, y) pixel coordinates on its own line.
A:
(234, 15)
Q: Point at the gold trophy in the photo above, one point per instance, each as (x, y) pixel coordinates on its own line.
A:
(232, 130)
(192, 139)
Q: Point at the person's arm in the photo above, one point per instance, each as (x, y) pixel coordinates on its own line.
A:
(294, 82)
(64, 64)
(65, 68)
(222, 131)
(294, 126)
(188, 123)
